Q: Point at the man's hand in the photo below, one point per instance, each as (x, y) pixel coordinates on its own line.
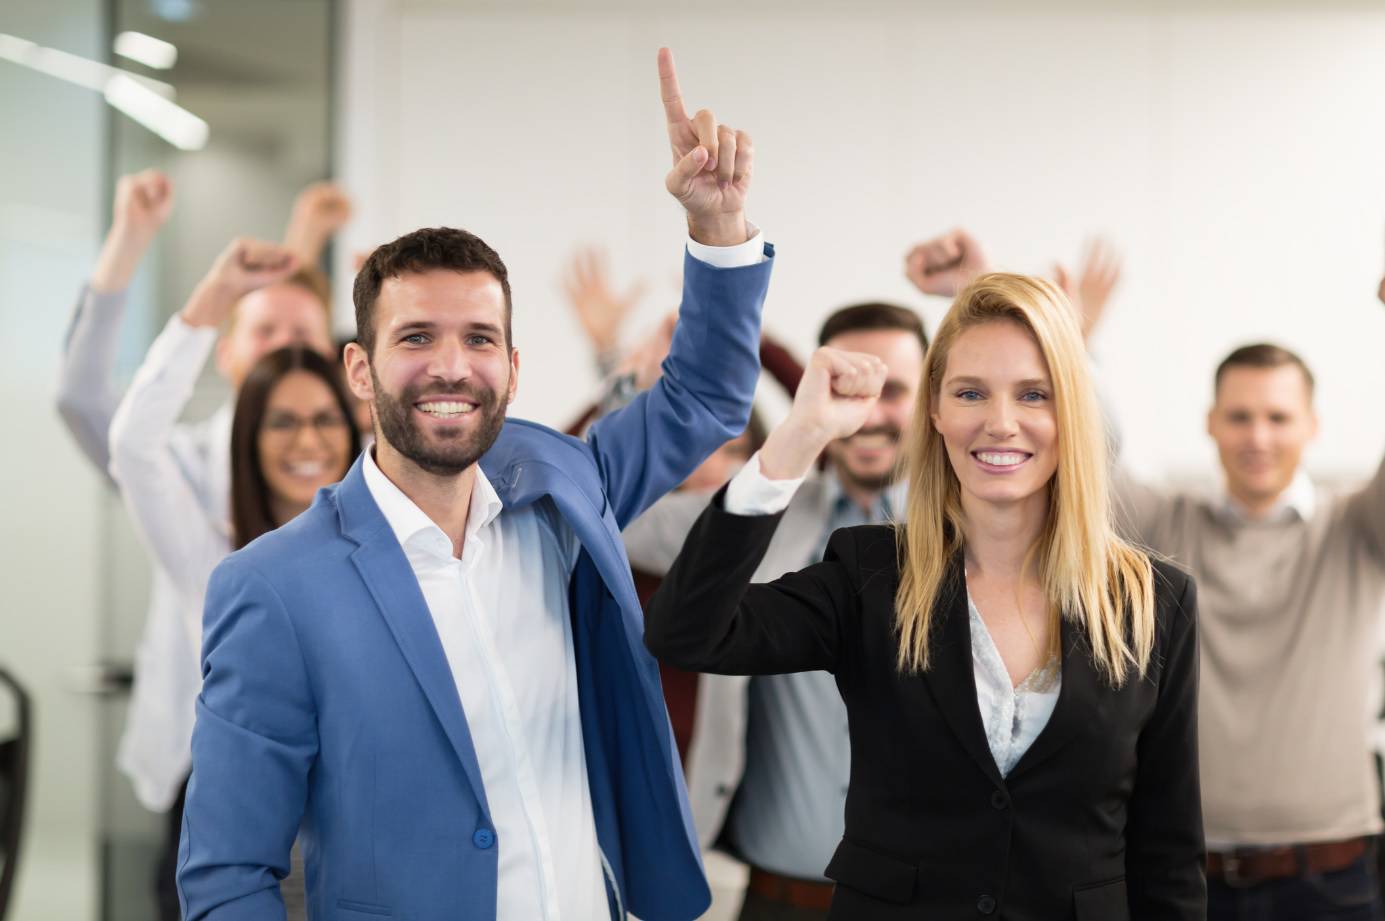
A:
(243, 266)
(599, 309)
(143, 202)
(1091, 291)
(838, 391)
(319, 211)
(711, 166)
(945, 265)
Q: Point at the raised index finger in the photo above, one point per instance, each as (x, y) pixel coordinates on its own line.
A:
(669, 90)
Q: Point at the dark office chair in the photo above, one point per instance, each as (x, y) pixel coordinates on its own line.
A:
(14, 776)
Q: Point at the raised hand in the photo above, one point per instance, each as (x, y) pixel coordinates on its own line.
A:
(712, 164)
(835, 398)
(599, 309)
(945, 264)
(319, 211)
(1090, 292)
(243, 266)
(143, 202)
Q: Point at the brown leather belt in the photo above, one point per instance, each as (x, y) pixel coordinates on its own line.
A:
(799, 893)
(1258, 865)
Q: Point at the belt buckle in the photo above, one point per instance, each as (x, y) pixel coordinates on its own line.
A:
(1231, 872)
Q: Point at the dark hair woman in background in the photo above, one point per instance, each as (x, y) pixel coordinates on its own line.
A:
(291, 435)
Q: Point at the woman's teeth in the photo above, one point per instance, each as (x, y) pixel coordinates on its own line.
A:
(307, 469)
(444, 410)
(1001, 459)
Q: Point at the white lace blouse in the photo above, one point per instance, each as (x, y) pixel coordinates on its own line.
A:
(1012, 716)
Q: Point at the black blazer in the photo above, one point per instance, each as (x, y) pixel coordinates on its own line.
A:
(1100, 820)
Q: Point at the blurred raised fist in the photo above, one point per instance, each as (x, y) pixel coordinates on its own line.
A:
(599, 309)
(245, 265)
(319, 211)
(143, 202)
(1090, 291)
(945, 264)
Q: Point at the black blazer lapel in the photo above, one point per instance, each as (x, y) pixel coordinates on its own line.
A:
(950, 677)
(1079, 699)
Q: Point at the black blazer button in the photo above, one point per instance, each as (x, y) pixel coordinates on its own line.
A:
(999, 800)
(985, 905)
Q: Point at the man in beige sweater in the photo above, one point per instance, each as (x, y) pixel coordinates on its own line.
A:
(1291, 586)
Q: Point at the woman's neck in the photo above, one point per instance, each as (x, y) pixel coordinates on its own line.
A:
(284, 511)
(999, 536)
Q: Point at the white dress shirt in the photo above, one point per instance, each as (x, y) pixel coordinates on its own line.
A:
(175, 482)
(502, 615)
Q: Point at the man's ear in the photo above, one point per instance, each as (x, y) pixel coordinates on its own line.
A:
(514, 376)
(357, 363)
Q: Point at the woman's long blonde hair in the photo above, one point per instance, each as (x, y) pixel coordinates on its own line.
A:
(1089, 575)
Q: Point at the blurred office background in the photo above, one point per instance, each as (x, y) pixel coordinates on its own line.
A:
(1232, 150)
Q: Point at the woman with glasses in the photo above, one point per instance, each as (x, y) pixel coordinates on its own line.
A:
(291, 434)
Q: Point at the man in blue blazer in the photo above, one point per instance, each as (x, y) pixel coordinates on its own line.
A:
(436, 675)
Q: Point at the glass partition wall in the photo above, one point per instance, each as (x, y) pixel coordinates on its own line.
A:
(259, 74)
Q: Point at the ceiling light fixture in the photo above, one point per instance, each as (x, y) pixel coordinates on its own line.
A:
(146, 49)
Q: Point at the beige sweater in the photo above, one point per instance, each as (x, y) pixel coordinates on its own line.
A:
(1288, 615)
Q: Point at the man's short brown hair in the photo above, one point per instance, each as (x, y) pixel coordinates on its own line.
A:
(422, 251)
(1262, 355)
(872, 315)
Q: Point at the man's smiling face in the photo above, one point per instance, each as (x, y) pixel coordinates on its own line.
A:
(441, 373)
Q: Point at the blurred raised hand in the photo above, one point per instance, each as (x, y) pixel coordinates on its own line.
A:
(319, 212)
(599, 309)
(243, 266)
(1090, 291)
(143, 203)
(945, 264)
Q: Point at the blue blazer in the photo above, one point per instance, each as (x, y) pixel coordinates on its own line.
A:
(328, 704)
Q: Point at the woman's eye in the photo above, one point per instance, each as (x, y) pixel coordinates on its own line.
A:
(968, 395)
(1034, 396)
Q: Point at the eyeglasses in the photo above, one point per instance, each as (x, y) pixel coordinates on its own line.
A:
(285, 426)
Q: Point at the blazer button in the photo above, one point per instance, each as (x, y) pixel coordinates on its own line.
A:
(483, 838)
(985, 905)
(999, 800)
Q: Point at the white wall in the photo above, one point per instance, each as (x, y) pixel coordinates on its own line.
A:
(1234, 154)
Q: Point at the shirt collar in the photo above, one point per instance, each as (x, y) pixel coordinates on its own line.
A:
(1299, 500)
(888, 504)
(408, 521)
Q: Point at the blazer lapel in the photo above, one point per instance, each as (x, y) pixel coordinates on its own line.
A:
(1079, 700)
(392, 585)
(950, 676)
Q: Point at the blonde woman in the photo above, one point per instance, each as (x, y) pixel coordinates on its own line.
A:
(1021, 685)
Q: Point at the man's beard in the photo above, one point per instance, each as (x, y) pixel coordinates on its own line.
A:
(871, 482)
(447, 454)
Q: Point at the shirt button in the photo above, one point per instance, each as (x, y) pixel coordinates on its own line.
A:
(999, 800)
(483, 838)
(985, 905)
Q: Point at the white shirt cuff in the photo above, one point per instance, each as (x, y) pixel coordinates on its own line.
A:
(751, 252)
(750, 492)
